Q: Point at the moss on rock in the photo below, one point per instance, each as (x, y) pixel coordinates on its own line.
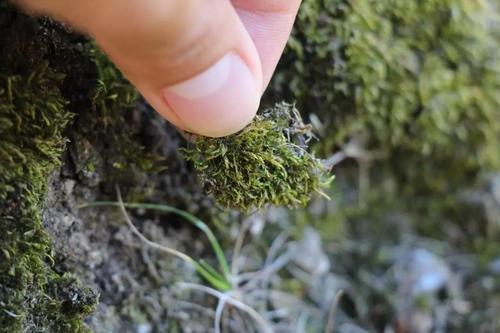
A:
(114, 103)
(414, 82)
(414, 78)
(33, 116)
(56, 87)
(428, 70)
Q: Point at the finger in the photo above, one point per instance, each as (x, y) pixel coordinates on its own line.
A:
(269, 23)
(193, 60)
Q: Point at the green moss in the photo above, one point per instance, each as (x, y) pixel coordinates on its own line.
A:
(33, 116)
(311, 69)
(46, 73)
(35, 103)
(266, 163)
(417, 79)
(67, 299)
(110, 127)
(429, 71)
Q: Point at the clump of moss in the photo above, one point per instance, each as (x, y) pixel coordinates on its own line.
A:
(266, 163)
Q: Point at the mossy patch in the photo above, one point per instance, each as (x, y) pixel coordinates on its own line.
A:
(106, 138)
(417, 79)
(428, 70)
(268, 162)
(413, 83)
(55, 87)
(33, 116)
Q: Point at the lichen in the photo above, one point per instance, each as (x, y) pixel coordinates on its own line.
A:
(268, 162)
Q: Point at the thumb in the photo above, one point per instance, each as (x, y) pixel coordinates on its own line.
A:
(192, 60)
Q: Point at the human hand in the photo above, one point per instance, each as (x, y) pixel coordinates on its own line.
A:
(201, 64)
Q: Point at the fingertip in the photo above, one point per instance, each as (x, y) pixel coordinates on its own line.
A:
(218, 102)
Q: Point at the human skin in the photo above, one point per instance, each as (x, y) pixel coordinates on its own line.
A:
(203, 65)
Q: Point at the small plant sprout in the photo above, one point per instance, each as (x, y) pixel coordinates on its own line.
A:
(223, 285)
(249, 292)
(268, 162)
(218, 279)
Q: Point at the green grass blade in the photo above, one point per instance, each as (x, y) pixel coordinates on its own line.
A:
(218, 282)
(219, 253)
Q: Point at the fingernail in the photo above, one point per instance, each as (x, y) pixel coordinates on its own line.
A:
(219, 101)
